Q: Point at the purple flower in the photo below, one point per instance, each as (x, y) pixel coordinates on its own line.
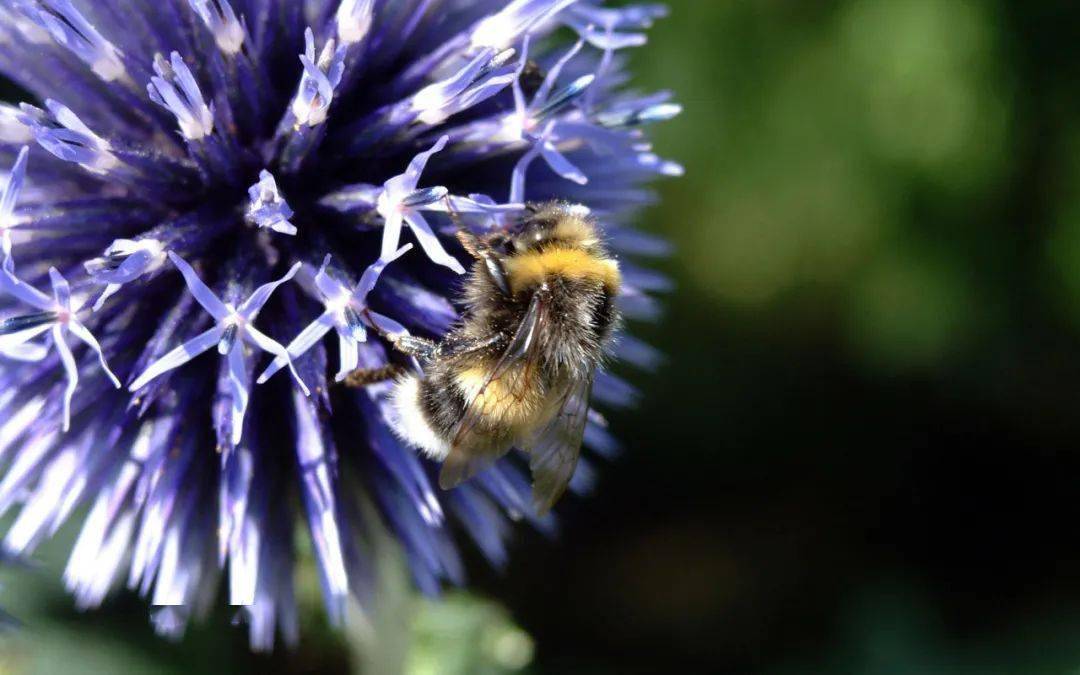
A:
(250, 176)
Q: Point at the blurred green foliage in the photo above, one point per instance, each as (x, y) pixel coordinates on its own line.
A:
(811, 131)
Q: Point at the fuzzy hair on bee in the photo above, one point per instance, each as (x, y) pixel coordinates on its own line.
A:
(517, 370)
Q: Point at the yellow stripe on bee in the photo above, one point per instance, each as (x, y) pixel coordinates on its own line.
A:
(532, 268)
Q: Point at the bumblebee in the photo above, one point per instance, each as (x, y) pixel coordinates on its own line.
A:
(517, 370)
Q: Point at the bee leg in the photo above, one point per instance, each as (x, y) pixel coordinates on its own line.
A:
(416, 346)
(455, 217)
(409, 345)
(469, 346)
(362, 377)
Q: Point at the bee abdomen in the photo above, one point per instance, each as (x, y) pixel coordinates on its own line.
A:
(422, 418)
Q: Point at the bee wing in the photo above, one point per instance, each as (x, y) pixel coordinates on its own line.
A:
(553, 451)
(469, 452)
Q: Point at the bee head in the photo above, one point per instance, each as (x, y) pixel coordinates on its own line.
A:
(556, 224)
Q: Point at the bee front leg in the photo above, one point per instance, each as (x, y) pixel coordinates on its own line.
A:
(410, 345)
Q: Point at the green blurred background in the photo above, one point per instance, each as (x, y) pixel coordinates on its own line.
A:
(861, 454)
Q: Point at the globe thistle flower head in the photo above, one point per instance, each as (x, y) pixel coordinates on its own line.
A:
(202, 193)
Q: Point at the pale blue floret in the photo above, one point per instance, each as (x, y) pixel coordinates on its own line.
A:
(606, 39)
(219, 17)
(124, 261)
(484, 75)
(613, 24)
(400, 202)
(233, 329)
(64, 135)
(536, 122)
(71, 29)
(7, 208)
(346, 312)
(664, 167)
(353, 20)
(14, 348)
(267, 208)
(175, 89)
(630, 17)
(629, 118)
(320, 78)
(59, 317)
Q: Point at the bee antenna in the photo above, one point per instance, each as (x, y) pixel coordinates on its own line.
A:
(481, 250)
(454, 215)
(470, 242)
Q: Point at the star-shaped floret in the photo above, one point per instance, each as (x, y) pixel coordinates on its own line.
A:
(400, 201)
(540, 122)
(57, 315)
(536, 122)
(233, 327)
(346, 312)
